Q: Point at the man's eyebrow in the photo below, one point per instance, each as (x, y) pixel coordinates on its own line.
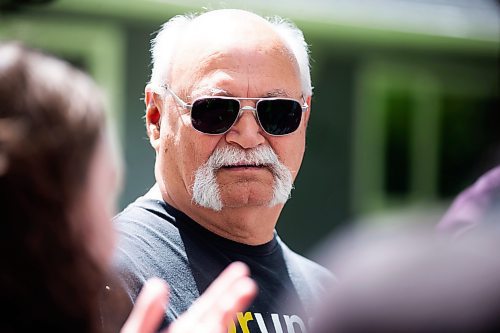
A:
(211, 91)
(276, 93)
(214, 91)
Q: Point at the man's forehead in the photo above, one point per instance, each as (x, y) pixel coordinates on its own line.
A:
(216, 56)
(234, 72)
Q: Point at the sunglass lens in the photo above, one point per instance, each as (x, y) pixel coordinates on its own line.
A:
(214, 115)
(279, 116)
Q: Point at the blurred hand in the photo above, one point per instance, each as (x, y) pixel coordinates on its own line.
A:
(231, 292)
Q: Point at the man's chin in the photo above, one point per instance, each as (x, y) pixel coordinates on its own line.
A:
(244, 197)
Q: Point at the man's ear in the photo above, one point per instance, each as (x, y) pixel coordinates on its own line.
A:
(153, 117)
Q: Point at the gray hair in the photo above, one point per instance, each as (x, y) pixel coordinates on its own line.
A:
(163, 46)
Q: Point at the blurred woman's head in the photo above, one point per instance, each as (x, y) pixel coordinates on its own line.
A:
(405, 278)
(57, 188)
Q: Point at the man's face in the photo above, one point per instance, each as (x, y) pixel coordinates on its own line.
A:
(257, 65)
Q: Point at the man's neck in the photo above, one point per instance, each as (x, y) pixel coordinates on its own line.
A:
(247, 225)
(252, 225)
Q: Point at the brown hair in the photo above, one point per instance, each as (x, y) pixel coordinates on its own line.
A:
(51, 119)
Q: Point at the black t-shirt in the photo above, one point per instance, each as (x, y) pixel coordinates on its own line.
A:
(155, 239)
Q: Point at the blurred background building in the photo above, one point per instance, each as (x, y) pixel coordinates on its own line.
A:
(405, 111)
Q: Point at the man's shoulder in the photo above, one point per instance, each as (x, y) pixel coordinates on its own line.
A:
(310, 279)
(146, 208)
(309, 268)
(148, 235)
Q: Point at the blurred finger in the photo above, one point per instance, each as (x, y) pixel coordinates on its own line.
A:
(231, 292)
(149, 308)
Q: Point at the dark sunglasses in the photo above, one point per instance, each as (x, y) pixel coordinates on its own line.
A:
(216, 115)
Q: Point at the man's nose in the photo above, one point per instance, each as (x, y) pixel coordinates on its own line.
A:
(247, 132)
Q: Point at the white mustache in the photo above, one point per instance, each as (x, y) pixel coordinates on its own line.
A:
(232, 156)
(205, 190)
